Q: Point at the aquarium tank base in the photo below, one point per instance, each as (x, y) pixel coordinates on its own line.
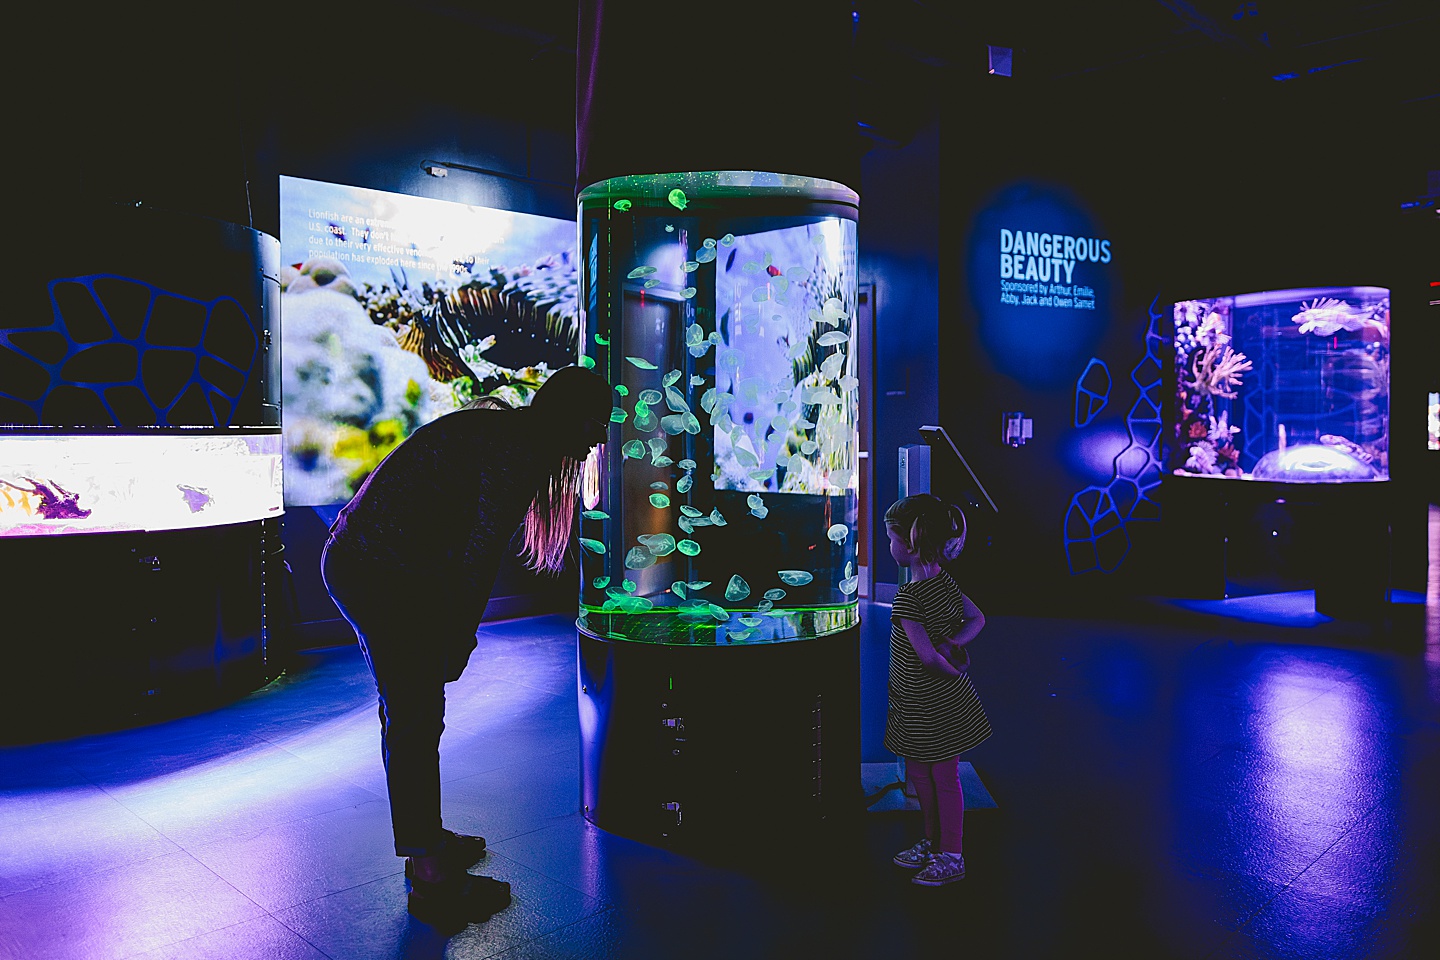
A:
(140, 470)
(700, 748)
(719, 611)
(1240, 539)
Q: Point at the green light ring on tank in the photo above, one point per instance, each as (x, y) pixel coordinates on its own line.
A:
(655, 188)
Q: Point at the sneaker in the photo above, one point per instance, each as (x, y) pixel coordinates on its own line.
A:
(943, 868)
(914, 858)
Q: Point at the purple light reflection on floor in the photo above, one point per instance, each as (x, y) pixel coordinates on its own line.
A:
(1195, 763)
(1293, 609)
(1432, 608)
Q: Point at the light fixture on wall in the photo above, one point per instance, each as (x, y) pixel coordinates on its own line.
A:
(1018, 429)
(1000, 60)
(435, 169)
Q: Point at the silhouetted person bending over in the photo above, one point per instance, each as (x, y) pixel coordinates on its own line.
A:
(411, 561)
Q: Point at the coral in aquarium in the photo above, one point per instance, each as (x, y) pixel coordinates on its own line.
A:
(52, 501)
(1208, 370)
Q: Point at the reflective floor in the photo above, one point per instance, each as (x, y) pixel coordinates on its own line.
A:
(1169, 783)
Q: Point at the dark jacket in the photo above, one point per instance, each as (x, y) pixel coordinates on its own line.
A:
(419, 545)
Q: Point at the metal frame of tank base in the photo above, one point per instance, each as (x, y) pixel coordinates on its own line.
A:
(136, 627)
(707, 749)
(1332, 536)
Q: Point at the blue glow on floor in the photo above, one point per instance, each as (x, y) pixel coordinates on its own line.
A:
(1184, 792)
(1293, 609)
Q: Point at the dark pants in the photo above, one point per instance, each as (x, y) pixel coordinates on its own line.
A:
(411, 667)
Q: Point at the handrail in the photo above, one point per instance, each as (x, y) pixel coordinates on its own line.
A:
(934, 435)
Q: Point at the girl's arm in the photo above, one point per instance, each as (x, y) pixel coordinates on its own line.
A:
(930, 658)
(973, 621)
(952, 648)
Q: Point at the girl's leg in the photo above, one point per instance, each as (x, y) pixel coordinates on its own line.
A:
(922, 777)
(949, 804)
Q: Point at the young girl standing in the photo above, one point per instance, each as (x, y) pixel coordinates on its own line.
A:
(934, 714)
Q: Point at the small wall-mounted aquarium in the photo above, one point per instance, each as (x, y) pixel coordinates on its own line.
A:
(1284, 385)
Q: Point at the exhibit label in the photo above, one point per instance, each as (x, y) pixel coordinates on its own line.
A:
(1038, 269)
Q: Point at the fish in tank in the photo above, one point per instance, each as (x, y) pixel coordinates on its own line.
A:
(722, 508)
(1283, 385)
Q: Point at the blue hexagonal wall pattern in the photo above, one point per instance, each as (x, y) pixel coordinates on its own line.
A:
(1095, 532)
(122, 352)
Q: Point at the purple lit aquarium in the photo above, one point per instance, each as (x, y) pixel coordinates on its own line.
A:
(1291, 386)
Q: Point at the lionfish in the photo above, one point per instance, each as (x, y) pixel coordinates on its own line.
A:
(1325, 317)
(533, 301)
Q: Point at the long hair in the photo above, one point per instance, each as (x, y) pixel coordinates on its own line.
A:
(550, 520)
(551, 515)
(571, 394)
(933, 529)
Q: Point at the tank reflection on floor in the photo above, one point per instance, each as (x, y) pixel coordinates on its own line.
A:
(1306, 752)
(1432, 608)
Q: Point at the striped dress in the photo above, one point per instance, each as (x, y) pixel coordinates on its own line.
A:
(931, 717)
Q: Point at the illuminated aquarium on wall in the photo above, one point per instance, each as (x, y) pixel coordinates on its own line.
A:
(109, 483)
(1285, 385)
(721, 307)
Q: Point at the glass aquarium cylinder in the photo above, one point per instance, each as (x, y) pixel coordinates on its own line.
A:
(721, 510)
(1286, 385)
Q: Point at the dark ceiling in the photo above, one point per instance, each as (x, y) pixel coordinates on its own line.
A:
(1379, 53)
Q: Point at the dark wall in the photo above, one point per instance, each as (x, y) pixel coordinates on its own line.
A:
(1208, 189)
(201, 113)
(900, 240)
(1203, 191)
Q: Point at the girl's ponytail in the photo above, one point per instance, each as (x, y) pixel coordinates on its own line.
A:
(956, 542)
(930, 527)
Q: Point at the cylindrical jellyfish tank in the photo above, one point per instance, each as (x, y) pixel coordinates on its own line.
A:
(719, 616)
